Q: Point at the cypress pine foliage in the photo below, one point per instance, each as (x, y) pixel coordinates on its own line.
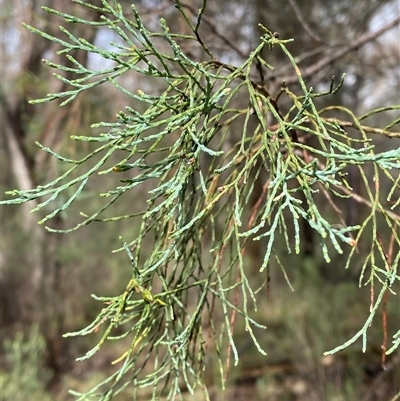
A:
(195, 151)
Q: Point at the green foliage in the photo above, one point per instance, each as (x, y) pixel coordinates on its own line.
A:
(188, 258)
(26, 377)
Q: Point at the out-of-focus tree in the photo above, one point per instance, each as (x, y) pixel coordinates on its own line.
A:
(37, 287)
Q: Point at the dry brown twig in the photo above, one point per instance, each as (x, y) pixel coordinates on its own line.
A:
(332, 57)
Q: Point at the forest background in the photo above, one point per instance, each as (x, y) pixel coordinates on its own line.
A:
(46, 279)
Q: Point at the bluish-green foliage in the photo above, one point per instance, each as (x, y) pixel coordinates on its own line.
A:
(183, 155)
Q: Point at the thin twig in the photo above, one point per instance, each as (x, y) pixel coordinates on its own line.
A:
(215, 31)
(330, 59)
(371, 130)
(300, 17)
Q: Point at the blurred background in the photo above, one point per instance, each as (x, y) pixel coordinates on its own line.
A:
(46, 278)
